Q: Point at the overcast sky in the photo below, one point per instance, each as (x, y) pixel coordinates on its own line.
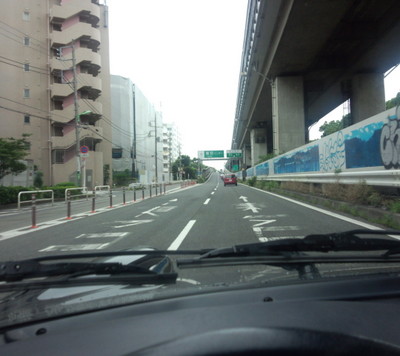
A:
(185, 57)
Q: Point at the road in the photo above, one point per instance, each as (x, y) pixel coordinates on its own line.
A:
(206, 215)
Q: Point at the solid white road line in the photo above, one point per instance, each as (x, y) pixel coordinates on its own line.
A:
(326, 212)
(175, 245)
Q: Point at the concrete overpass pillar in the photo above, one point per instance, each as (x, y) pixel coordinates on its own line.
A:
(288, 121)
(258, 141)
(367, 96)
(247, 156)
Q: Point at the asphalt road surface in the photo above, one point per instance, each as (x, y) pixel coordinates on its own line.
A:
(206, 215)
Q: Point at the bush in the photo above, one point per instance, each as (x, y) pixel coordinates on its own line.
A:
(38, 179)
(252, 181)
(395, 207)
(64, 184)
(9, 195)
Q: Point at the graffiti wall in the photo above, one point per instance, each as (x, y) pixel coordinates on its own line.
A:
(373, 144)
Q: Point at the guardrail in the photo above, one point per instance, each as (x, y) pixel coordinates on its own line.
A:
(387, 178)
(36, 200)
(67, 193)
(100, 188)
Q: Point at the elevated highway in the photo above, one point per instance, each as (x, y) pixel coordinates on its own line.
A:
(303, 58)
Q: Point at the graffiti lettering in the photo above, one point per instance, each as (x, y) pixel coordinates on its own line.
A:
(390, 144)
(332, 154)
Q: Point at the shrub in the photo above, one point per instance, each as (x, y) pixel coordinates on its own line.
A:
(252, 181)
(38, 179)
(395, 207)
(9, 195)
(65, 184)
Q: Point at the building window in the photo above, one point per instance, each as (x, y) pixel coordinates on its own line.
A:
(117, 153)
(26, 67)
(58, 156)
(28, 146)
(27, 41)
(27, 93)
(26, 16)
(27, 119)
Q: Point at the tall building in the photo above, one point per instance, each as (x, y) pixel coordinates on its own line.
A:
(171, 148)
(136, 133)
(55, 86)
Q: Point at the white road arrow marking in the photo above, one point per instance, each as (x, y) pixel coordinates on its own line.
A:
(243, 198)
(149, 212)
(263, 222)
(131, 223)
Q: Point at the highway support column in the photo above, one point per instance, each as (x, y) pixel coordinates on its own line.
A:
(288, 122)
(367, 96)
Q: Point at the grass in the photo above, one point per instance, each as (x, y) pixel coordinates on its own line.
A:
(348, 199)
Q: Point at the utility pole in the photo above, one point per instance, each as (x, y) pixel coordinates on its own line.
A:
(133, 153)
(155, 144)
(77, 120)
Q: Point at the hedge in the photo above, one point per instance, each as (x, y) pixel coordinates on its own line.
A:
(9, 195)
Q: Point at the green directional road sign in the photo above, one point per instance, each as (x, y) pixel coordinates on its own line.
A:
(234, 153)
(213, 154)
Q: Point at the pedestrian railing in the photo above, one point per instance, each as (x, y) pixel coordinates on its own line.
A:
(33, 199)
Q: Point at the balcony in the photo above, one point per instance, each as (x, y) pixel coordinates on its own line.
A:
(65, 142)
(68, 113)
(73, 8)
(84, 82)
(75, 32)
(82, 56)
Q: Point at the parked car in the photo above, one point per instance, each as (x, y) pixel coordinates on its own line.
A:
(136, 186)
(230, 179)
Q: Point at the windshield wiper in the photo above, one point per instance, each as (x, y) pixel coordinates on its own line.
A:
(294, 253)
(30, 272)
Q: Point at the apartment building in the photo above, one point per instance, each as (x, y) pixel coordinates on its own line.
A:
(55, 87)
(137, 133)
(171, 148)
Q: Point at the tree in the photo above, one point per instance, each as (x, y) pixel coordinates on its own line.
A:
(12, 151)
(38, 179)
(393, 102)
(330, 127)
(188, 165)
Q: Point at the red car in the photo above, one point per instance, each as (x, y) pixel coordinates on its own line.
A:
(230, 179)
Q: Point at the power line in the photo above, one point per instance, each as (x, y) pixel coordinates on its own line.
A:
(39, 44)
(32, 107)
(23, 63)
(19, 66)
(25, 113)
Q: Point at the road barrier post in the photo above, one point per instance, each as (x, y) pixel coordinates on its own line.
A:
(68, 205)
(150, 190)
(93, 204)
(165, 189)
(134, 194)
(34, 211)
(123, 196)
(143, 193)
(110, 199)
(156, 189)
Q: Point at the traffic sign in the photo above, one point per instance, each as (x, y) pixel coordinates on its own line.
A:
(211, 154)
(234, 153)
(84, 149)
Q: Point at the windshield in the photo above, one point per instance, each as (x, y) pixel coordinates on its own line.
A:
(189, 126)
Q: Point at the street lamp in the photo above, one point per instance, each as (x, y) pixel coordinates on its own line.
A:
(78, 149)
